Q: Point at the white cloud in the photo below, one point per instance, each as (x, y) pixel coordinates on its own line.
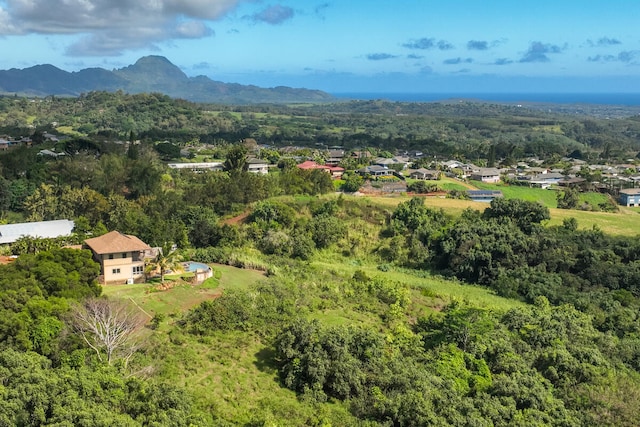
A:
(193, 30)
(110, 26)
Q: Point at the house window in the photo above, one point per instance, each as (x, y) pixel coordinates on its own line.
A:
(138, 269)
(110, 256)
(115, 271)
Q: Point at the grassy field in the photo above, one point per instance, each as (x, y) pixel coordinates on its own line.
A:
(545, 196)
(182, 296)
(624, 222)
(440, 289)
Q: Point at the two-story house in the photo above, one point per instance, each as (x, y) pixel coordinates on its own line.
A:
(121, 256)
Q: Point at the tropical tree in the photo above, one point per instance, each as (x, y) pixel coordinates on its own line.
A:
(166, 259)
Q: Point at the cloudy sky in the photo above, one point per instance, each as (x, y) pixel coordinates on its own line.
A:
(467, 46)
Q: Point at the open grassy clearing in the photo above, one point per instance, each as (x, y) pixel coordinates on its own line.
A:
(545, 196)
(624, 222)
(439, 289)
(183, 296)
(220, 369)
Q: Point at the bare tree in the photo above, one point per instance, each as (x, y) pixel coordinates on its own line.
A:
(108, 327)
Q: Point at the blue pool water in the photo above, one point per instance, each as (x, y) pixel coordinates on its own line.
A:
(193, 266)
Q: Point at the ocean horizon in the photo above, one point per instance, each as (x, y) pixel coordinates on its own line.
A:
(626, 99)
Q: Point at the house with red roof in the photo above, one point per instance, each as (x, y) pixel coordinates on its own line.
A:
(335, 171)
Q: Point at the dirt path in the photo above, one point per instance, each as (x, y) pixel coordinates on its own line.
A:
(141, 309)
(237, 219)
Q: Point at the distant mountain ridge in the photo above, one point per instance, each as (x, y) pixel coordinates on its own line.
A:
(148, 74)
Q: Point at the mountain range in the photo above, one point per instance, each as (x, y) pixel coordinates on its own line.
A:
(148, 74)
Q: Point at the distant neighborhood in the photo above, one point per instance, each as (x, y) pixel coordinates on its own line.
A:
(393, 173)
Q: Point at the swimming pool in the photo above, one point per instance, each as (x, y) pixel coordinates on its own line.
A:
(194, 266)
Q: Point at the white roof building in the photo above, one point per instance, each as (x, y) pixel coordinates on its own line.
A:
(9, 233)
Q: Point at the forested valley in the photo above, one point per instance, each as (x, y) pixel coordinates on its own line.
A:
(325, 308)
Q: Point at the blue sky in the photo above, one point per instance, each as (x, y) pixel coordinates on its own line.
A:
(455, 46)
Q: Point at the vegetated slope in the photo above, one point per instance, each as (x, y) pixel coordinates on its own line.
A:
(362, 331)
(437, 130)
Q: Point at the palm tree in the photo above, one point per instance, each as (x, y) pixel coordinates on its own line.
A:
(166, 259)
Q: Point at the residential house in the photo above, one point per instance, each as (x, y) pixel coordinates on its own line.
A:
(50, 153)
(400, 162)
(310, 164)
(572, 182)
(452, 164)
(425, 174)
(334, 157)
(629, 197)
(198, 166)
(9, 233)
(489, 175)
(375, 171)
(121, 257)
(335, 171)
(545, 180)
(360, 154)
(258, 166)
(50, 137)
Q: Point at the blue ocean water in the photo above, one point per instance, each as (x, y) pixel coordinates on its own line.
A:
(628, 99)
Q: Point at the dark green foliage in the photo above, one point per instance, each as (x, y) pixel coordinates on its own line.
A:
(271, 214)
(422, 187)
(37, 394)
(326, 230)
(68, 273)
(568, 199)
(414, 215)
(352, 183)
(475, 367)
(325, 363)
(236, 160)
(305, 181)
(231, 311)
(204, 229)
(525, 214)
(34, 296)
(263, 309)
(167, 150)
(477, 251)
(302, 245)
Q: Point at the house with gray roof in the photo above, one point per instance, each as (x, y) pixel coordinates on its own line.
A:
(629, 197)
(490, 175)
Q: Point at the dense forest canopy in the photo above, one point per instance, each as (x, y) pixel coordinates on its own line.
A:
(439, 129)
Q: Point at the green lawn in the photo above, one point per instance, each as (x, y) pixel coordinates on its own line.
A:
(546, 197)
(624, 223)
(182, 296)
